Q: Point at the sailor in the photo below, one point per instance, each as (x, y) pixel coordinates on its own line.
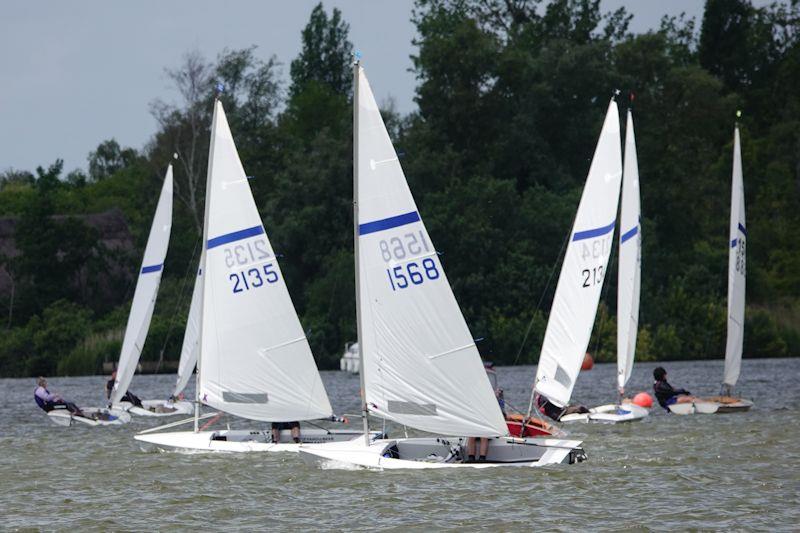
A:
(49, 401)
(129, 396)
(484, 441)
(665, 393)
(548, 408)
(277, 427)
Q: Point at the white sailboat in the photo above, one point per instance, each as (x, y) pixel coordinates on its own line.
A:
(628, 289)
(254, 359)
(420, 365)
(737, 270)
(144, 301)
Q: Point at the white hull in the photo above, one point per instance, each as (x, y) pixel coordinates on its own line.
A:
(96, 416)
(241, 440)
(691, 408)
(157, 408)
(439, 452)
(710, 407)
(609, 414)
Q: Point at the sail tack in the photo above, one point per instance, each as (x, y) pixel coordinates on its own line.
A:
(737, 270)
(421, 365)
(144, 298)
(630, 257)
(584, 269)
(255, 361)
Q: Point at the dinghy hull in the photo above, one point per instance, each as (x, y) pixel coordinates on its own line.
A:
(240, 441)
(157, 408)
(96, 416)
(609, 414)
(439, 453)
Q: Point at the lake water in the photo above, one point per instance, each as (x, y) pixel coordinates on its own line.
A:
(729, 471)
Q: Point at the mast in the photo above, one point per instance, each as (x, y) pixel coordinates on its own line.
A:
(219, 89)
(364, 411)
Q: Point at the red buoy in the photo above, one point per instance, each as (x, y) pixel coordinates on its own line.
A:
(643, 400)
(588, 362)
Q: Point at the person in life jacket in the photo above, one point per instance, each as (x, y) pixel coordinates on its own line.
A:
(49, 401)
(129, 396)
(551, 410)
(666, 394)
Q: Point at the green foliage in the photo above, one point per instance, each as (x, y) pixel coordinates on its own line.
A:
(511, 97)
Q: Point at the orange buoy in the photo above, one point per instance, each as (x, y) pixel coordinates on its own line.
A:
(643, 400)
(588, 362)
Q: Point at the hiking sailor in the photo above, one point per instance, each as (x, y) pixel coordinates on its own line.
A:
(49, 401)
(129, 396)
(665, 393)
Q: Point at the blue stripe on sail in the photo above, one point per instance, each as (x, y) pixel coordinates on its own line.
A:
(629, 234)
(589, 233)
(733, 243)
(741, 228)
(152, 268)
(235, 236)
(388, 223)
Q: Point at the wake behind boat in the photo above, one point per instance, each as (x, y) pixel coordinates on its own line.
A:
(419, 364)
(253, 358)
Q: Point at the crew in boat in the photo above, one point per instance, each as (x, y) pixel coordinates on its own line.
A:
(129, 396)
(49, 401)
(277, 427)
(551, 410)
(665, 393)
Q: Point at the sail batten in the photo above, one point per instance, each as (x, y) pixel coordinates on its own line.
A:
(630, 254)
(255, 360)
(584, 269)
(421, 366)
(144, 297)
(737, 270)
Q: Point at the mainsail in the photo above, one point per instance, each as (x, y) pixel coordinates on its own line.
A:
(255, 361)
(421, 365)
(144, 298)
(737, 270)
(630, 257)
(584, 269)
(191, 337)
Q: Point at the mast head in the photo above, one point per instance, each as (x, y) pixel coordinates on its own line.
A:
(356, 57)
(219, 88)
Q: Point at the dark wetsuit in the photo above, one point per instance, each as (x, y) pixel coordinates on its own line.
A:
(666, 394)
(285, 425)
(129, 396)
(551, 410)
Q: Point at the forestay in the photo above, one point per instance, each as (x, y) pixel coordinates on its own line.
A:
(583, 271)
(737, 270)
(630, 257)
(191, 337)
(144, 297)
(422, 367)
(255, 361)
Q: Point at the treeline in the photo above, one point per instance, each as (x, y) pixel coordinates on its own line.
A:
(511, 97)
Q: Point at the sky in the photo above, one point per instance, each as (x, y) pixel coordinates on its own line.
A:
(73, 74)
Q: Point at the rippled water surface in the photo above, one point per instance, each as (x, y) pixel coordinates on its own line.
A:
(668, 472)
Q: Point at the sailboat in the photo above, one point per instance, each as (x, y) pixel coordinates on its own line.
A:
(144, 301)
(254, 360)
(191, 338)
(628, 289)
(419, 363)
(583, 272)
(737, 270)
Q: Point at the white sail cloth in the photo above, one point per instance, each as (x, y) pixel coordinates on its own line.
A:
(421, 365)
(191, 337)
(255, 361)
(584, 269)
(737, 270)
(144, 298)
(630, 261)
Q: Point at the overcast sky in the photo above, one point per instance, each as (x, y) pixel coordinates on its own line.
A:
(77, 73)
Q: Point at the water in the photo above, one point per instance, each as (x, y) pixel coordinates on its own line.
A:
(709, 472)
